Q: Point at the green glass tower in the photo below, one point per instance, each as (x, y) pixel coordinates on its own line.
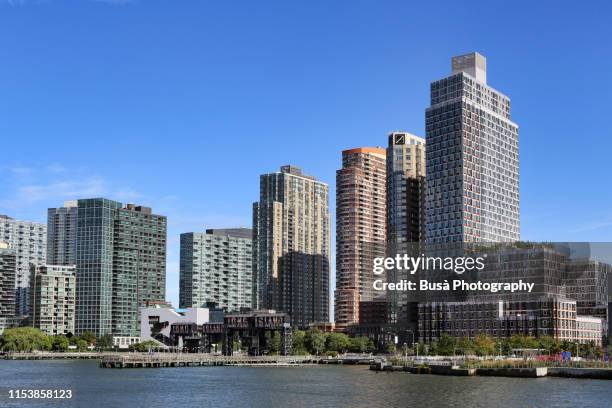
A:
(120, 263)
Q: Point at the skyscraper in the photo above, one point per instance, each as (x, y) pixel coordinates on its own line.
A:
(61, 234)
(29, 240)
(405, 190)
(120, 265)
(405, 215)
(472, 159)
(291, 246)
(8, 266)
(53, 295)
(139, 265)
(217, 267)
(360, 228)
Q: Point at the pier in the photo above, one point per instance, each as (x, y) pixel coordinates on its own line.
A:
(198, 360)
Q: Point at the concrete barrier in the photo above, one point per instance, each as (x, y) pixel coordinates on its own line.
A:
(513, 372)
(568, 372)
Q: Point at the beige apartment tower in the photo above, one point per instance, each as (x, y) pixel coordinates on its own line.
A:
(291, 246)
(53, 298)
(360, 228)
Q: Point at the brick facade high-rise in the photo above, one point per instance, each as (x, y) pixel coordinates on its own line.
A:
(360, 228)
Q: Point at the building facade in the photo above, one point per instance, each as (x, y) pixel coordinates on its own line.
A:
(8, 267)
(53, 298)
(61, 234)
(217, 267)
(291, 246)
(120, 265)
(471, 158)
(360, 228)
(29, 240)
(405, 190)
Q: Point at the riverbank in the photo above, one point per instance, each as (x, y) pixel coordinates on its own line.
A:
(519, 372)
(160, 360)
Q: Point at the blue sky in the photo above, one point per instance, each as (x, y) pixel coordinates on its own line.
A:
(180, 105)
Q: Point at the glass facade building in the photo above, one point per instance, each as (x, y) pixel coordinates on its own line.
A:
(120, 263)
(61, 234)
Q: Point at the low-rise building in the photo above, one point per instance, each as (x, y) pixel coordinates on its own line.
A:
(156, 322)
(589, 329)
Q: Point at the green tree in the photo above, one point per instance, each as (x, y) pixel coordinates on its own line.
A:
(315, 341)
(360, 344)
(89, 337)
(60, 343)
(390, 347)
(446, 345)
(550, 344)
(81, 345)
(143, 346)
(298, 343)
(484, 345)
(275, 342)
(338, 342)
(465, 347)
(24, 339)
(105, 342)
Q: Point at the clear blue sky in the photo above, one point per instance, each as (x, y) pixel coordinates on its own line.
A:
(180, 105)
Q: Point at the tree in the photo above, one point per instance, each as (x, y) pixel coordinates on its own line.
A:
(360, 344)
(143, 346)
(60, 343)
(81, 345)
(464, 346)
(390, 347)
(484, 345)
(24, 339)
(275, 342)
(105, 342)
(89, 337)
(298, 346)
(446, 345)
(338, 342)
(550, 344)
(315, 341)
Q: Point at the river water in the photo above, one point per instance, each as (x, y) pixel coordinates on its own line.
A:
(312, 386)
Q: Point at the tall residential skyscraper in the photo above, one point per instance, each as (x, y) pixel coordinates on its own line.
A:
(53, 296)
(120, 265)
(360, 228)
(405, 190)
(291, 246)
(29, 240)
(61, 234)
(139, 265)
(217, 266)
(8, 266)
(472, 158)
(405, 215)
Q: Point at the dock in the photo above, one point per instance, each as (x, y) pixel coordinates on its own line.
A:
(160, 360)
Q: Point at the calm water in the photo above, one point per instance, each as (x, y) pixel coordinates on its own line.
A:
(319, 386)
